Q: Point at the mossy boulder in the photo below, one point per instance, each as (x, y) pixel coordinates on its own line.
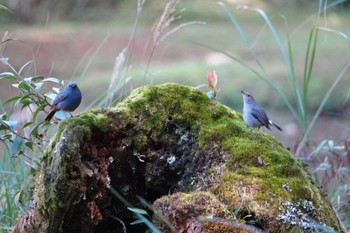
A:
(202, 168)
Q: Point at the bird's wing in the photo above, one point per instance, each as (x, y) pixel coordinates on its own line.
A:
(60, 97)
(260, 115)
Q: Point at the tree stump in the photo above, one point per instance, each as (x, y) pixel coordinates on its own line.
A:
(193, 158)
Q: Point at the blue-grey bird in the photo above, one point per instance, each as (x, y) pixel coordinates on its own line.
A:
(254, 115)
(68, 99)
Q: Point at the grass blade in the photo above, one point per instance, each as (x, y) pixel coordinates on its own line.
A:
(327, 7)
(319, 109)
(308, 77)
(336, 32)
(83, 74)
(243, 36)
(2, 7)
(80, 63)
(286, 57)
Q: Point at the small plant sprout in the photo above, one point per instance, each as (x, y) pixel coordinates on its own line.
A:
(212, 83)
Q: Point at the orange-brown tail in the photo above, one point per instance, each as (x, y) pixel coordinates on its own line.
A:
(51, 113)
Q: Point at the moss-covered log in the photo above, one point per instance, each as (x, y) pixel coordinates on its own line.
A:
(202, 168)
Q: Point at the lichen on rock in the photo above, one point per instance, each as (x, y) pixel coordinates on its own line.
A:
(202, 168)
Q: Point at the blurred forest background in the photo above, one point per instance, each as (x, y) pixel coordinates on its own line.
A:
(80, 40)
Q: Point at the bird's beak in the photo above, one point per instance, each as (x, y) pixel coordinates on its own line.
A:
(243, 93)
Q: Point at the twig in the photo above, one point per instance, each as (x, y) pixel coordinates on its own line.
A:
(22, 137)
(27, 139)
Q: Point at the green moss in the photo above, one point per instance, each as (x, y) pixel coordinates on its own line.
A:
(154, 106)
(270, 166)
(85, 120)
(187, 106)
(221, 130)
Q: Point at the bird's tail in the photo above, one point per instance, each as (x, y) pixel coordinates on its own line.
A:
(51, 113)
(277, 127)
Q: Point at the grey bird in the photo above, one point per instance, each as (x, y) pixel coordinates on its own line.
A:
(68, 99)
(254, 115)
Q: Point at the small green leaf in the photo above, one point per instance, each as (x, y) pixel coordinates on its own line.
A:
(4, 116)
(7, 136)
(27, 96)
(23, 86)
(52, 79)
(28, 80)
(62, 115)
(250, 222)
(57, 90)
(16, 146)
(19, 198)
(319, 148)
(3, 126)
(12, 99)
(139, 211)
(139, 221)
(27, 124)
(50, 95)
(35, 130)
(4, 61)
(8, 75)
(25, 102)
(211, 94)
(10, 124)
(38, 110)
(2, 7)
(46, 124)
(37, 78)
(238, 208)
(37, 86)
(330, 145)
(32, 171)
(29, 145)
